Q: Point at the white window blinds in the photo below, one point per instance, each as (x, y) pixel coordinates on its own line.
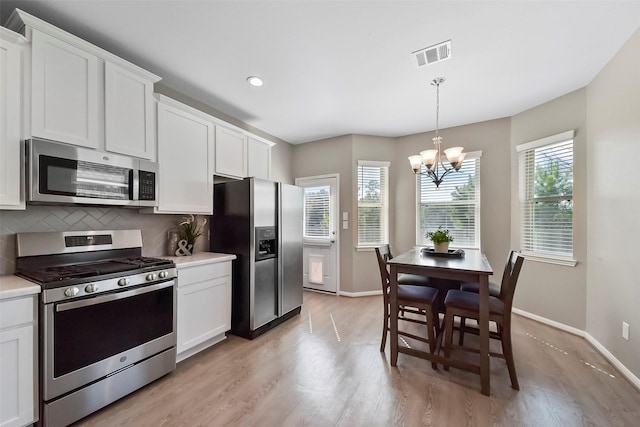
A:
(454, 206)
(373, 211)
(546, 196)
(316, 211)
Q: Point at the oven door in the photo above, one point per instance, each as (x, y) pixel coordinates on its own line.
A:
(88, 339)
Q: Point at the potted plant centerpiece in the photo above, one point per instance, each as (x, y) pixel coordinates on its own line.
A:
(441, 239)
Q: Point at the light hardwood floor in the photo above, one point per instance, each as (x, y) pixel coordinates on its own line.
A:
(324, 368)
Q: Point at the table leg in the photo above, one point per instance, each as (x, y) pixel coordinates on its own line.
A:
(484, 335)
(393, 313)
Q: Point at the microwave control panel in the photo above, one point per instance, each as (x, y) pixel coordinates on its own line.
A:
(147, 185)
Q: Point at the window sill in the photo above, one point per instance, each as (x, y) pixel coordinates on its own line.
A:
(567, 262)
(366, 248)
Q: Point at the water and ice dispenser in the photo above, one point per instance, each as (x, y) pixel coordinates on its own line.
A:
(266, 244)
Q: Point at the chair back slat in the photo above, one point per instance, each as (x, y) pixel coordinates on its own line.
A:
(383, 254)
(510, 279)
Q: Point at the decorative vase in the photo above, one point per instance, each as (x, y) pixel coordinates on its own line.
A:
(172, 242)
(441, 247)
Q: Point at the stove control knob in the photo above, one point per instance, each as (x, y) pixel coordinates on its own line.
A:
(163, 274)
(91, 288)
(123, 282)
(151, 276)
(71, 292)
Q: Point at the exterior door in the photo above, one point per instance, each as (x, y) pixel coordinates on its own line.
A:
(320, 238)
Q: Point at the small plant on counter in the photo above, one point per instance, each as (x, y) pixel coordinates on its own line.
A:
(190, 230)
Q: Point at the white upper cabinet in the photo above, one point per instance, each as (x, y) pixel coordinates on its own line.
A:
(231, 153)
(11, 85)
(258, 159)
(185, 159)
(86, 96)
(129, 112)
(64, 92)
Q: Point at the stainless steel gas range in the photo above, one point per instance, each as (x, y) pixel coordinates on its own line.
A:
(107, 318)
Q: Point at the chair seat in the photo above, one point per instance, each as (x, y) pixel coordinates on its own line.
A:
(416, 293)
(494, 288)
(412, 279)
(471, 302)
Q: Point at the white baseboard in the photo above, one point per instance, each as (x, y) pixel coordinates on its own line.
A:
(359, 294)
(615, 362)
(635, 381)
(557, 325)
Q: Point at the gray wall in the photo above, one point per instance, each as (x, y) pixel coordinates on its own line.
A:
(365, 274)
(332, 156)
(613, 151)
(359, 271)
(492, 138)
(553, 291)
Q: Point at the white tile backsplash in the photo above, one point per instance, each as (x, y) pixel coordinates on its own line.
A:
(65, 218)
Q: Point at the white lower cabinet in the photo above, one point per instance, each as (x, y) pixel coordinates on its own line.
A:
(204, 306)
(17, 362)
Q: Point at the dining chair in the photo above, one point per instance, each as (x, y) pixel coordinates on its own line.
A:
(467, 305)
(414, 299)
(494, 288)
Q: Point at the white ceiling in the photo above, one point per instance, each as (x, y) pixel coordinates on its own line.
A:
(345, 67)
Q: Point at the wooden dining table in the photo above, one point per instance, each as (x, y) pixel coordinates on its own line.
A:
(473, 266)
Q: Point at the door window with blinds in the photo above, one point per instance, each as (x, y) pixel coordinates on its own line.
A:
(373, 203)
(454, 206)
(316, 212)
(546, 196)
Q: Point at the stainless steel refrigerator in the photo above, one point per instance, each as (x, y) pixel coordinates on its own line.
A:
(260, 222)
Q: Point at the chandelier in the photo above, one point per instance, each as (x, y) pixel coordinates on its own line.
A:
(433, 159)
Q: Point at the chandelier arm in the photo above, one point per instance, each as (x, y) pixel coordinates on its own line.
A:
(440, 169)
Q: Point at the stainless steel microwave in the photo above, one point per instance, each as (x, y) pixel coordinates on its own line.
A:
(60, 173)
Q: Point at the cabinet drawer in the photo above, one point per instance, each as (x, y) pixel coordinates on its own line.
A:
(199, 273)
(16, 312)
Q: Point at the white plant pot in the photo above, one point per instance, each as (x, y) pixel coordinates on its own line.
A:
(441, 247)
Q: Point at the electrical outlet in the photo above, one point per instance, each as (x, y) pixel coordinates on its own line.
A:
(625, 331)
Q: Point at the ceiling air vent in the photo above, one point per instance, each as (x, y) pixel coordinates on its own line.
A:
(432, 54)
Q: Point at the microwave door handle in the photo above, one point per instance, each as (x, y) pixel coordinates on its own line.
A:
(134, 177)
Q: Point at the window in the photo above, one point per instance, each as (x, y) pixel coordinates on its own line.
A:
(454, 206)
(373, 203)
(316, 211)
(546, 196)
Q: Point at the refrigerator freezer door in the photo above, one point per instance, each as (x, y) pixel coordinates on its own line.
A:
(290, 218)
(265, 293)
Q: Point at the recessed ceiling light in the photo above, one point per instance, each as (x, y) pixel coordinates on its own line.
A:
(254, 81)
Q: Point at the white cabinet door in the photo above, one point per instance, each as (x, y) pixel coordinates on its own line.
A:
(64, 92)
(258, 159)
(231, 153)
(185, 159)
(17, 362)
(11, 181)
(16, 372)
(129, 113)
(204, 306)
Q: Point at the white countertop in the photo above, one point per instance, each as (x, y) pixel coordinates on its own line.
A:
(200, 258)
(13, 286)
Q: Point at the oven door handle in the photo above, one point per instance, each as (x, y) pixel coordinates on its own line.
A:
(112, 297)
